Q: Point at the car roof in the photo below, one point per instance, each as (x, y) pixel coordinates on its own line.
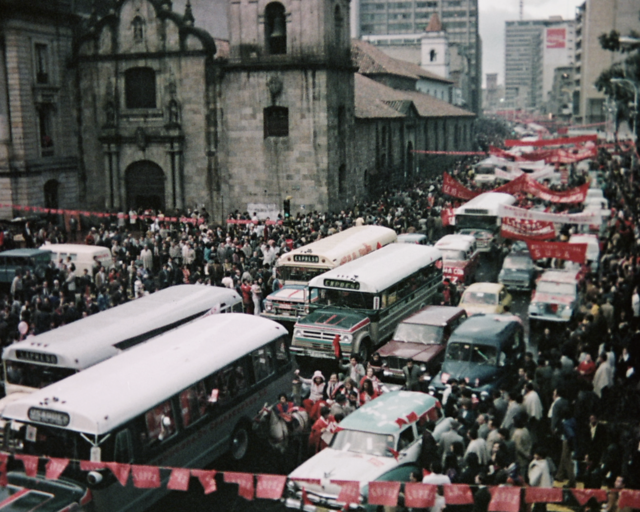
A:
(485, 287)
(434, 315)
(559, 276)
(485, 328)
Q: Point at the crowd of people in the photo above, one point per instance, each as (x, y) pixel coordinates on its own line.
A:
(573, 415)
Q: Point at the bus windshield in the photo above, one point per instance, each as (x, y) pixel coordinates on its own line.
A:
(468, 352)
(488, 222)
(345, 298)
(35, 376)
(302, 274)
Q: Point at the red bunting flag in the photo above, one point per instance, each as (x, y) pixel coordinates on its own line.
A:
(207, 479)
(3, 469)
(120, 471)
(88, 465)
(401, 421)
(312, 481)
(55, 467)
(419, 495)
(505, 499)
(30, 463)
(628, 498)
(558, 250)
(179, 479)
(459, 494)
(412, 417)
(510, 143)
(584, 495)
(543, 495)
(146, 477)
(337, 349)
(270, 487)
(244, 481)
(349, 491)
(384, 493)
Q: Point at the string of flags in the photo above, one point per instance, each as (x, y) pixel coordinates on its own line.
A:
(271, 486)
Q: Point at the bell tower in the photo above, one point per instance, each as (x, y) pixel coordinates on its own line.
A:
(288, 91)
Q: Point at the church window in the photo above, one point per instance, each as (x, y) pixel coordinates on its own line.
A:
(276, 122)
(275, 29)
(140, 88)
(433, 55)
(42, 64)
(138, 29)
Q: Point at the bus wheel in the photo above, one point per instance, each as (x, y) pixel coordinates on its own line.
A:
(240, 442)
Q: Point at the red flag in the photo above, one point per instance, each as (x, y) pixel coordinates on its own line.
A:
(270, 487)
(411, 417)
(337, 349)
(459, 494)
(55, 467)
(312, 481)
(393, 452)
(3, 469)
(244, 481)
(179, 480)
(543, 495)
(87, 465)
(379, 246)
(448, 216)
(30, 463)
(349, 492)
(401, 421)
(628, 498)
(384, 493)
(519, 229)
(505, 499)
(419, 495)
(305, 499)
(207, 479)
(121, 471)
(584, 495)
(146, 477)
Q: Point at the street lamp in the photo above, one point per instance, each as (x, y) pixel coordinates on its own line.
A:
(635, 99)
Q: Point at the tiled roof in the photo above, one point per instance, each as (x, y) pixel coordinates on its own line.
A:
(375, 100)
(373, 61)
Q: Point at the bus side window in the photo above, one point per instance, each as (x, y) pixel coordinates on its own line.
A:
(160, 422)
(193, 403)
(262, 360)
(123, 449)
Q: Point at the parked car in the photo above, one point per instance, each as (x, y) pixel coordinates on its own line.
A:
(420, 338)
(380, 441)
(485, 298)
(484, 351)
(461, 257)
(518, 271)
(35, 260)
(555, 298)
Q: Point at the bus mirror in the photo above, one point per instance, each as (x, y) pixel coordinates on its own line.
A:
(213, 398)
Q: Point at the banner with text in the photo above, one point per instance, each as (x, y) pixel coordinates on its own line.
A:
(516, 229)
(588, 218)
(558, 250)
(454, 188)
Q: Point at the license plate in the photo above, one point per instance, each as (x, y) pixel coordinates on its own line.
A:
(317, 354)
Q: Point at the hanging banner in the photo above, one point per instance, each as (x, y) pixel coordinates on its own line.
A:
(30, 463)
(207, 479)
(505, 499)
(588, 218)
(3, 469)
(571, 196)
(179, 479)
(584, 495)
(515, 229)
(558, 250)
(384, 493)
(145, 477)
(270, 487)
(244, 481)
(510, 143)
(459, 494)
(349, 492)
(454, 188)
(628, 498)
(120, 471)
(543, 495)
(516, 186)
(419, 495)
(55, 468)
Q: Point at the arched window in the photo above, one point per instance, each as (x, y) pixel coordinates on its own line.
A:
(140, 88)
(433, 56)
(338, 22)
(275, 29)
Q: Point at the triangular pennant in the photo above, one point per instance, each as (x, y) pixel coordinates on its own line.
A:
(384, 493)
(55, 468)
(179, 480)
(244, 481)
(146, 477)
(30, 464)
(207, 479)
(120, 471)
(270, 487)
(505, 499)
(349, 492)
(418, 495)
(459, 494)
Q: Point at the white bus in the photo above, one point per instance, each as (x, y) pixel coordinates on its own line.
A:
(296, 268)
(179, 402)
(360, 303)
(54, 355)
(479, 217)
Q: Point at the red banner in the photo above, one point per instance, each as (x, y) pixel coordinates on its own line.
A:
(55, 467)
(120, 471)
(384, 493)
(30, 463)
(584, 495)
(3, 469)
(145, 477)
(270, 487)
(505, 499)
(516, 229)
(349, 492)
(207, 479)
(179, 480)
(628, 498)
(418, 495)
(244, 481)
(515, 186)
(510, 143)
(459, 494)
(571, 196)
(454, 188)
(543, 495)
(87, 465)
(559, 250)
(447, 216)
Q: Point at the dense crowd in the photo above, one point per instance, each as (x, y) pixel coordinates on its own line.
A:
(573, 416)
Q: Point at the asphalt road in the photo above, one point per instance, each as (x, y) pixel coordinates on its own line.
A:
(263, 459)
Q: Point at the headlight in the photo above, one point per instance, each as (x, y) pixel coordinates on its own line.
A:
(268, 306)
(297, 333)
(346, 338)
(423, 367)
(385, 362)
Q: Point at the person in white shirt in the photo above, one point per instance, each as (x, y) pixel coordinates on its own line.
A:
(604, 375)
(436, 477)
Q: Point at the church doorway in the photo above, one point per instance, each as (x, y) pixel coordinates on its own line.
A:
(144, 183)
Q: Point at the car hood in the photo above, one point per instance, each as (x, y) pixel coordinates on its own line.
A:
(288, 295)
(468, 372)
(407, 350)
(478, 309)
(550, 298)
(331, 465)
(333, 319)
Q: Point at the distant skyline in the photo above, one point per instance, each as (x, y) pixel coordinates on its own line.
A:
(493, 15)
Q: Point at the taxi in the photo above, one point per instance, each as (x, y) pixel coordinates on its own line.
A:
(485, 298)
(460, 256)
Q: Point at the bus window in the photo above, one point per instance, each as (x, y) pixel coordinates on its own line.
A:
(193, 404)
(123, 450)
(160, 423)
(229, 382)
(262, 360)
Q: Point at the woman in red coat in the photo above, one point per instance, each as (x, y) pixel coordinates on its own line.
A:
(323, 424)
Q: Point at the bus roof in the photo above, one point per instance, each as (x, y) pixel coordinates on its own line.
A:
(379, 416)
(75, 248)
(348, 244)
(90, 340)
(24, 252)
(488, 201)
(382, 268)
(117, 390)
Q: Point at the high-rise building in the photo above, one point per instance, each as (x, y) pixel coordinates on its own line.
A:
(380, 19)
(533, 49)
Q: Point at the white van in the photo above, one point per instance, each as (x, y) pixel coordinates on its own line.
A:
(593, 249)
(82, 256)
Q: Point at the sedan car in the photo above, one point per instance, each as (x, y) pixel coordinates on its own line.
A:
(485, 298)
(555, 298)
(518, 272)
